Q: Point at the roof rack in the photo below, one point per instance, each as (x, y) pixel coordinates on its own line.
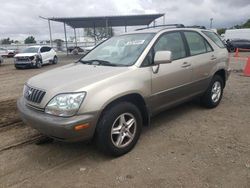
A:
(165, 25)
(196, 26)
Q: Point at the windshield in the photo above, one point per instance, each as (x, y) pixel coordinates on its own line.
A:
(121, 50)
(31, 50)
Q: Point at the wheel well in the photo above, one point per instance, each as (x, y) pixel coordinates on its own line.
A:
(137, 100)
(222, 74)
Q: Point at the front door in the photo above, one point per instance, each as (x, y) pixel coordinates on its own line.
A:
(170, 81)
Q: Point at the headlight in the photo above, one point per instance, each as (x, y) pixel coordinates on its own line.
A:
(32, 58)
(65, 104)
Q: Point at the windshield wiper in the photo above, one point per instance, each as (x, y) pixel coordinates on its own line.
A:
(98, 62)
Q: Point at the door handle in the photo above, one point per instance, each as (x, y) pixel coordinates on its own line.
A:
(185, 65)
(213, 58)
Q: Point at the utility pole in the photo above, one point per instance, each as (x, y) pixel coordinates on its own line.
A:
(50, 34)
(211, 23)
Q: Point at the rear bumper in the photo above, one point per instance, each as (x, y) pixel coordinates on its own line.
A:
(59, 128)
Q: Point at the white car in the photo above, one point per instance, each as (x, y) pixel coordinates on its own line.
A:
(3, 52)
(35, 56)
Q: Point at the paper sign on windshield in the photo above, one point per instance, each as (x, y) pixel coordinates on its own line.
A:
(135, 42)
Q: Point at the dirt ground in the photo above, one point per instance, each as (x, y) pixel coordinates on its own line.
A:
(187, 146)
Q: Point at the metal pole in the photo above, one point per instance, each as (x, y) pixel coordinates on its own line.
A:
(50, 35)
(164, 19)
(65, 34)
(107, 28)
(94, 34)
(125, 29)
(211, 23)
(75, 36)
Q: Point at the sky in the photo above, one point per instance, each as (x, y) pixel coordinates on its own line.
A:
(20, 18)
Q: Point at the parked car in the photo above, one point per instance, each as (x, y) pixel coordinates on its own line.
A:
(1, 60)
(3, 52)
(12, 52)
(110, 96)
(35, 56)
(75, 49)
(232, 45)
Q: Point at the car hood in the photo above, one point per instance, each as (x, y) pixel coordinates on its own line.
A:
(25, 54)
(73, 77)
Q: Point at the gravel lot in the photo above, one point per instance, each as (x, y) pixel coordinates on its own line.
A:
(187, 146)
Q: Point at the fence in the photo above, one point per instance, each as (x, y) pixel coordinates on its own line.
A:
(58, 47)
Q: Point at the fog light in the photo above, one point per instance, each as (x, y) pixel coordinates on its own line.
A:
(79, 127)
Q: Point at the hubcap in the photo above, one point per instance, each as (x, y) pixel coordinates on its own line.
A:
(123, 130)
(216, 91)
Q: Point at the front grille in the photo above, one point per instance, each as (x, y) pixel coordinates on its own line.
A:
(33, 95)
(23, 59)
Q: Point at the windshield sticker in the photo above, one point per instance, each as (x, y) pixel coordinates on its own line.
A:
(135, 42)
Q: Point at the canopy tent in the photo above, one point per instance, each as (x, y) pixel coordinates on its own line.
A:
(110, 21)
(103, 21)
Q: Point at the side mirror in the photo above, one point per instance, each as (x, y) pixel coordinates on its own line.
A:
(162, 57)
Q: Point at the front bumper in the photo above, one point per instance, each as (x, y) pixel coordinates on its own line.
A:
(60, 128)
(25, 64)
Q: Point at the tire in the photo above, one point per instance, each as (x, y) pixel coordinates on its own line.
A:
(232, 49)
(121, 141)
(214, 93)
(39, 64)
(17, 67)
(55, 60)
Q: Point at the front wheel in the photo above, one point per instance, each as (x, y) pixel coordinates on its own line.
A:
(55, 60)
(119, 129)
(39, 64)
(213, 95)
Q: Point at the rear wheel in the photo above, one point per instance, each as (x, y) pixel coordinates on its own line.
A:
(232, 49)
(119, 129)
(213, 95)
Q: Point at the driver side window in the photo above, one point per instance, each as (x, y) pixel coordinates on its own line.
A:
(42, 50)
(167, 42)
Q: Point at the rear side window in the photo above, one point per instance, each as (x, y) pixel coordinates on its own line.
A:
(171, 42)
(47, 49)
(215, 38)
(196, 43)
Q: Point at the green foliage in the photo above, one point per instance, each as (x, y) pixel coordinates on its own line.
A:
(245, 25)
(221, 31)
(6, 41)
(30, 40)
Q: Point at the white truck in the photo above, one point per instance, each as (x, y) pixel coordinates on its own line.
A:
(232, 34)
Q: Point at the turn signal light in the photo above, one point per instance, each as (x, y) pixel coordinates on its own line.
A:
(79, 127)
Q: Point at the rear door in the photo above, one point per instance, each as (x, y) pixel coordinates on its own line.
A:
(202, 58)
(170, 82)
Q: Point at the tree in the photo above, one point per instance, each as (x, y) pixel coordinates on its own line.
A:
(30, 40)
(100, 33)
(6, 41)
(221, 31)
(246, 24)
